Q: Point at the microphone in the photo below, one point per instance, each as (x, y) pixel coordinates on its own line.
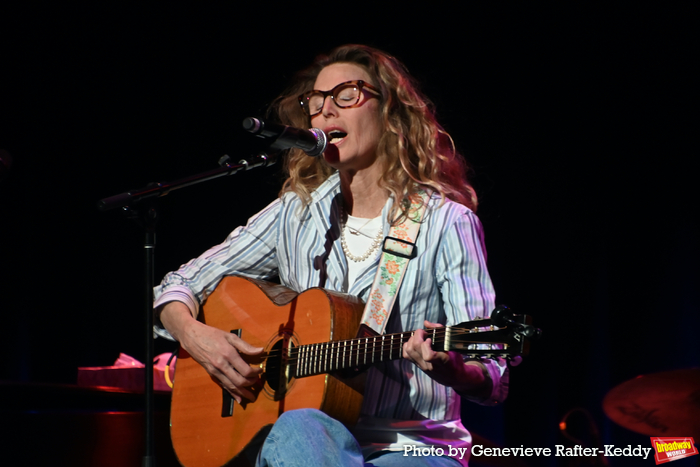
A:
(313, 142)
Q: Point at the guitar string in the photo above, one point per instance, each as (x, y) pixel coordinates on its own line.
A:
(352, 359)
(359, 342)
(355, 350)
(348, 362)
(353, 355)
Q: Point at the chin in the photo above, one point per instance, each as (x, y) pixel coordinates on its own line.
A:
(332, 155)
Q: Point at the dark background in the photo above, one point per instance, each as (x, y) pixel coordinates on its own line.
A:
(576, 120)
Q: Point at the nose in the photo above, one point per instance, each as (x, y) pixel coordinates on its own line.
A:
(329, 107)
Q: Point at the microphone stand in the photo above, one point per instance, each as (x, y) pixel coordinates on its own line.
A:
(141, 205)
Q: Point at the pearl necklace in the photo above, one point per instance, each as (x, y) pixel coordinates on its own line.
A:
(376, 242)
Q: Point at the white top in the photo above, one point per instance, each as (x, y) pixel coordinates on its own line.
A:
(359, 237)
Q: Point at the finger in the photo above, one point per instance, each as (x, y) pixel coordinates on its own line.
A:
(238, 347)
(430, 325)
(243, 346)
(239, 393)
(240, 372)
(228, 367)
(427, 352)
(410, 348)
(245, 394)
(236, 386)
(243, 368)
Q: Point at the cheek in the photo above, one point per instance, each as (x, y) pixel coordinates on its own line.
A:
(371, 132)
(373, 125)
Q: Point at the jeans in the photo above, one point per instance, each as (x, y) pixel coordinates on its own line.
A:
(310, 438)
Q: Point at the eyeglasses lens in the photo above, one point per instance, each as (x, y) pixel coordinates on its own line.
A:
(345, 95)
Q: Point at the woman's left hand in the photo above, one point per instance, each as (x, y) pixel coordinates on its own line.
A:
(447, 368)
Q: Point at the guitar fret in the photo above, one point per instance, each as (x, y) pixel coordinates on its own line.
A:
(382, 354)
(316, 356)
(312, 367)
(310, 360)
(330, 358)
(365, 360)
(321, 354)
(344, 346)
(391, 348)
(349, 362)
(333, 366)
(309, 356)
(317, 359)
(355, 351)
(338, 363)
(325, 357)
(300, 361)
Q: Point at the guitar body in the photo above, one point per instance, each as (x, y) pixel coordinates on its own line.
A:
(207, 428)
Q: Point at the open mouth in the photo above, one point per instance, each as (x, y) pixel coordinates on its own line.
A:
(336, 136)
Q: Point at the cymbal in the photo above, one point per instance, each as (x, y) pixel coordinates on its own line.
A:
(658, 404)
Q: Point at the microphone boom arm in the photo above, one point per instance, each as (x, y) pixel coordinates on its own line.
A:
(163, 188)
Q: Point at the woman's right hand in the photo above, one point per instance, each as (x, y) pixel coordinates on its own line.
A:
(219, 352)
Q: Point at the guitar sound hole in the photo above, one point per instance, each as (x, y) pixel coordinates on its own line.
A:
(277, 381)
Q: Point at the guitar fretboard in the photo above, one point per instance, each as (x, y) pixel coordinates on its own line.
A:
(326, 357)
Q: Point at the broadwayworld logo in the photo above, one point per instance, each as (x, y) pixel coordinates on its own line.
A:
(671, 449)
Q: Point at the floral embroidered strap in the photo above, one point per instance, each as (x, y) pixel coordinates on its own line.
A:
(399, 248)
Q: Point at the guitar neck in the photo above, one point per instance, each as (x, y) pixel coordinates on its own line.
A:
(326, 357)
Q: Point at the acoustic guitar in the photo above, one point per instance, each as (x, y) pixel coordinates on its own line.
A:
(312, 359)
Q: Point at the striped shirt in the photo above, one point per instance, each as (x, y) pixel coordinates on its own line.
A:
(446, 282)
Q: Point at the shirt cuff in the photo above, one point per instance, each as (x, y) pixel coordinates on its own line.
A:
(173, 294)
(497, 371)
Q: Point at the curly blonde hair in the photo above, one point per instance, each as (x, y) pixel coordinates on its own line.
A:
(419, 154)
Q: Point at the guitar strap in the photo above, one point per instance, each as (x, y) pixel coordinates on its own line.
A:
(398, 248)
